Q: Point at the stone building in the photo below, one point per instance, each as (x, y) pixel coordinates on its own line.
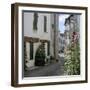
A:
(72, 24)
(39, 28)
(62, 42)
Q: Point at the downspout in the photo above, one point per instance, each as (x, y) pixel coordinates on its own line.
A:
(55, 36)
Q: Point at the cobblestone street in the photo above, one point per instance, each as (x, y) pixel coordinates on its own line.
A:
(53, 69)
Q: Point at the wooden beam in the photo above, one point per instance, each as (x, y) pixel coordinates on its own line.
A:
(31, 39)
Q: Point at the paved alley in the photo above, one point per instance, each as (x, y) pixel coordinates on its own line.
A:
(48, 70)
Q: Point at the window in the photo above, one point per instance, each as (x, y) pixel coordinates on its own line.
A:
(35, 21)
(48, 48)
(45, 24)
(31, 51)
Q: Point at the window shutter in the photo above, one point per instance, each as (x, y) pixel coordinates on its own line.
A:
(35, 21)
(45, 24)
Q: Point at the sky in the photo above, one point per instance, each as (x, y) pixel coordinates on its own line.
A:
(62, 18)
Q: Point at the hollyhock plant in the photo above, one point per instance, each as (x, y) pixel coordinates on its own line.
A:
(72, 59)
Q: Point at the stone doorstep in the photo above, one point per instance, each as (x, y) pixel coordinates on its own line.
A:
(32, 68)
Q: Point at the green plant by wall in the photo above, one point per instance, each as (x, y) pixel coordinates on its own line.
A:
(40, 55)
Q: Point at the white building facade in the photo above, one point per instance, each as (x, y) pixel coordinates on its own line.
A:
(38, 28)
(72, 26)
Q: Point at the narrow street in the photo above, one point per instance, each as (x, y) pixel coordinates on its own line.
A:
(53, 69)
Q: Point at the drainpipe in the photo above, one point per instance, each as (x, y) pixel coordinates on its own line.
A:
(55, 36)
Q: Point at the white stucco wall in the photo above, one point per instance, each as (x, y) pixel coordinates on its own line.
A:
(67, 27)
(39, 33)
